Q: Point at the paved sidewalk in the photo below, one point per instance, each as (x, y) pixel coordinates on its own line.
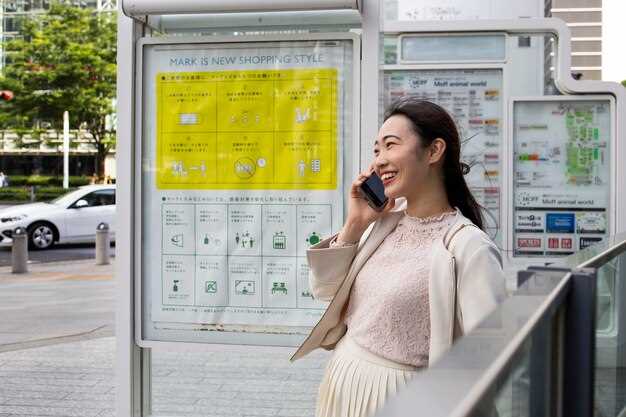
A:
(77, 379)
(55, 302)
(81, 269)
(74, 302)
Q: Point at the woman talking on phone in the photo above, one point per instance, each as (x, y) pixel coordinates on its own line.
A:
(405, 279)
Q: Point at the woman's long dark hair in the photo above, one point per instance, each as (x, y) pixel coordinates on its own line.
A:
(430, 121)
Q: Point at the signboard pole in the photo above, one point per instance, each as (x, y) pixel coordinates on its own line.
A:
(66, 149)
(369, 79)
(128, 355)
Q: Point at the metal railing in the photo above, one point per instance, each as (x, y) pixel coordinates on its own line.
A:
(556, 347)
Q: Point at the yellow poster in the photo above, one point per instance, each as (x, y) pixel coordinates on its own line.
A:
(260, 129)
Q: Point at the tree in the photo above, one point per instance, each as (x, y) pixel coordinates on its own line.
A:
(64, 61)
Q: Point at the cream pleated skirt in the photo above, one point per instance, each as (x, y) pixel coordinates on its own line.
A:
(357, 382)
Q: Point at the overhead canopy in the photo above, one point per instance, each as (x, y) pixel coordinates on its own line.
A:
(164, 7)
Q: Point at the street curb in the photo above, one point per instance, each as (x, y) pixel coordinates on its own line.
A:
(102, 331)
(79, 269)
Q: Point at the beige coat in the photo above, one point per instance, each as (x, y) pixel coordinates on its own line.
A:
(468, 251)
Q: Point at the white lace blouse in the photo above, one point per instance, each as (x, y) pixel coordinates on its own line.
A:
(388, 310)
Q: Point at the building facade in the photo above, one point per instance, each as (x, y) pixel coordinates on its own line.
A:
(584, 18)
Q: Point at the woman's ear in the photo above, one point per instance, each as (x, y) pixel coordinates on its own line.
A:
(437, 149)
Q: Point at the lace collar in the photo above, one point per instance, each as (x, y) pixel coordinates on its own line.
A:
(437, 218)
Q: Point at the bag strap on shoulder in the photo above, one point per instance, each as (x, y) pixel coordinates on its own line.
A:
(458, 329)
(447, 239)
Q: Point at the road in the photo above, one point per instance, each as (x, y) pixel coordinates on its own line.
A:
(58, 253)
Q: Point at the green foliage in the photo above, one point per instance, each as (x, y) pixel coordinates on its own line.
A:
(34, 180)
(14, 194)
(22, 180)
(65, 61)
(624, 83)
(41, 180)
(50, 193)
(19, 194)
(77, 181)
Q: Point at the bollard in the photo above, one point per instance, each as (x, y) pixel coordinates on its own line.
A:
(19, 251)
(103, 243)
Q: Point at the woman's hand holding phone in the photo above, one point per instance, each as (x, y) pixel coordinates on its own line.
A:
(360, 213)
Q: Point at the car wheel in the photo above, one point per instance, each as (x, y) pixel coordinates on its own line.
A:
(40, 236)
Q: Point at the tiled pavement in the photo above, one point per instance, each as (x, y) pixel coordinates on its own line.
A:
(71, 379)
(246, 382)
(77, 379)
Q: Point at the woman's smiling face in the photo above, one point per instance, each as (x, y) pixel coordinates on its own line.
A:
(399, 158)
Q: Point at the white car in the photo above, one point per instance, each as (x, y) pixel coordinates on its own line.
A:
(71, 218)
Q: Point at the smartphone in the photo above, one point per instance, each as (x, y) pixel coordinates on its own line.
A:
(373, 191)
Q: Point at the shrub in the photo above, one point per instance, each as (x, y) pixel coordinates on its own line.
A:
(75, 181)
(14, 194)
(47, 180)
(79, 181)
(39, 180)
(24, 180)
(20, 194)
(50, 193)
(17, 180)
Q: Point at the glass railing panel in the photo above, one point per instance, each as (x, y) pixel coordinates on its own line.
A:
(606, 318)
(610, 369)
(608, 257)
(509, 395)
(587, 255)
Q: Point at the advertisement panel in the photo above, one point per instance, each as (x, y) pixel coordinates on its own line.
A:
(474, 99)
(242, 170)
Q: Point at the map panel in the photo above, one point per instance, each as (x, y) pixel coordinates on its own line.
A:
(561, 175)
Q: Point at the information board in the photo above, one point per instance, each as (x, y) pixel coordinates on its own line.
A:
(241, 171)
(247, 129)
(474, 99)
(561, 175)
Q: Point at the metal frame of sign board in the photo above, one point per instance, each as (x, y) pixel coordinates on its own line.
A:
(130, 359)
(311, 19)
(612, 212)
(163, 7)
(351, 162)
(403, 62)
(371, 43)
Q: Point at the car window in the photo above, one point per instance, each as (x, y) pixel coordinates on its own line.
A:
(67, 199)
(99, 198)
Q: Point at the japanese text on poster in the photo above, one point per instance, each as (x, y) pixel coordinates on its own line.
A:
(255, 129)
(473, 98)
